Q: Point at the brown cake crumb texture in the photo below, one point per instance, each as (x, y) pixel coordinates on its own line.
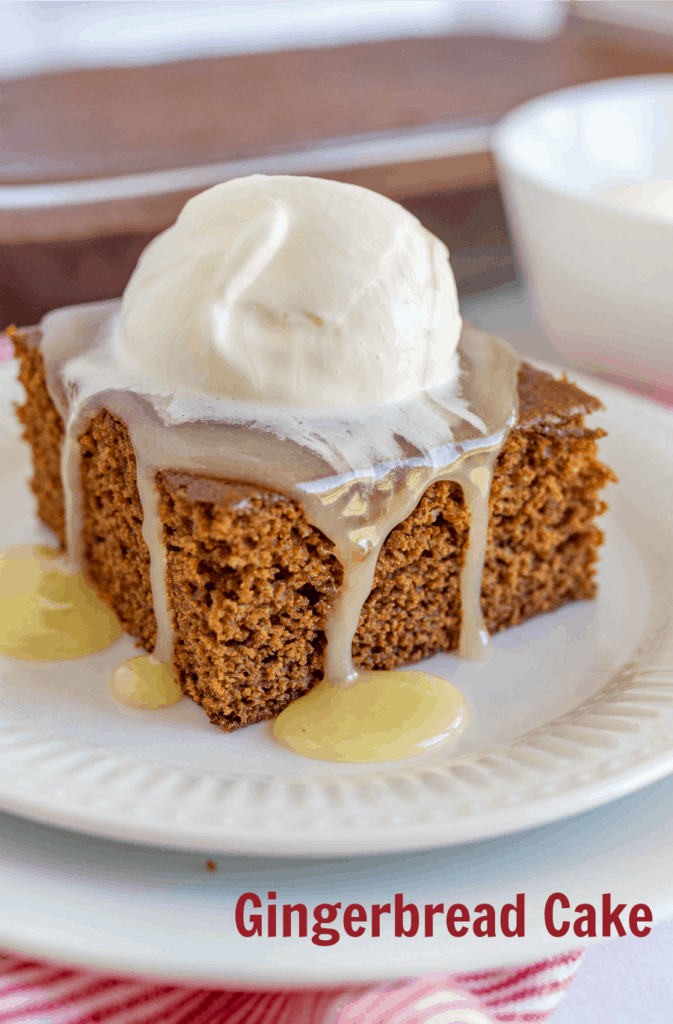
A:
(250, 579)
(42, 429)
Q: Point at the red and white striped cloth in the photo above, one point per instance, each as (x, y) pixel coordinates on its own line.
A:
(37, 993)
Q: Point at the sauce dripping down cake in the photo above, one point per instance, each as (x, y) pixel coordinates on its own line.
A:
(287, 465)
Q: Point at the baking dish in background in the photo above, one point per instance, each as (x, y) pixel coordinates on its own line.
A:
(94, 162)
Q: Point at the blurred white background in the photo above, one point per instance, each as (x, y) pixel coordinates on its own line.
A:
(42, 35)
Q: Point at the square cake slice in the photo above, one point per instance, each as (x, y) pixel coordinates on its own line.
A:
(250, 579)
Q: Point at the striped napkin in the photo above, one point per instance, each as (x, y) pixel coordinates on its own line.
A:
(42, 993)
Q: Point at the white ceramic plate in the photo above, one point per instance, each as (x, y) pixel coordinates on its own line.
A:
(162, 914)
(573, 709)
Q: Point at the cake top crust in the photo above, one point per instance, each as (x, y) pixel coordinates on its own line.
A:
(231, 494)
(543, 397)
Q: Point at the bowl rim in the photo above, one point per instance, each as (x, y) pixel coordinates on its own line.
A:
(502, 139)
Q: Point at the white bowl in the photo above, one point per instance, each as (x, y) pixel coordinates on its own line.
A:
(600, 269)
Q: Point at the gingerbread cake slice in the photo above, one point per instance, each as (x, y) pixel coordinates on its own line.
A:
(249, 580)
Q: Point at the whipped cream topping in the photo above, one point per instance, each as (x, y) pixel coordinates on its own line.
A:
(294, 292)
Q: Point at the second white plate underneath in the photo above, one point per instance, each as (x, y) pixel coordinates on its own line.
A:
(162, 914)
(573, 709)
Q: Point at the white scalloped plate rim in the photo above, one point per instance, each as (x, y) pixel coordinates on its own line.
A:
(615, 742)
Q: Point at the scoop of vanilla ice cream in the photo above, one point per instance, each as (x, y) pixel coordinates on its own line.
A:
(294, 291)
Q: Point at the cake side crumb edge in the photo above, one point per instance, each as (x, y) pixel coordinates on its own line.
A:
(42, 429)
